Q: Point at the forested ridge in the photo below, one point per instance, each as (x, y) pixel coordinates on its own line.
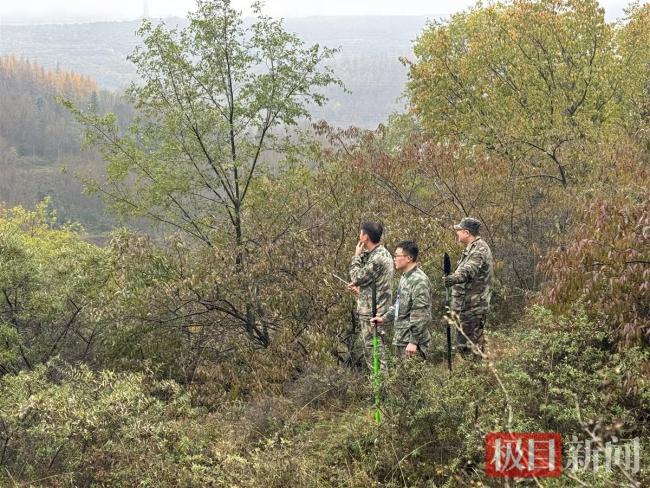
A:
(367, 61)
(40, 140)
(211, 347)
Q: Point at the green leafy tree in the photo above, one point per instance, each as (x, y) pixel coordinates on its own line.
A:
(209, 100)
(633, 40)
(534, 81)
(49, 278)
(212, 102)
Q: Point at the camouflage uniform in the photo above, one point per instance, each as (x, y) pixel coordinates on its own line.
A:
(372, 266)
(471, 291)
(411, 314)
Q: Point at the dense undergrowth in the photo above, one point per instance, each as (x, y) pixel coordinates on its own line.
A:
(69, 426)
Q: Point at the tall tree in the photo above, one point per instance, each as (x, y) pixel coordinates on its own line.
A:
(535, 81)
(212, 101)
(209, 99)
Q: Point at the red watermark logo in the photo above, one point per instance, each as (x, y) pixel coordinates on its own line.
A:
(523, 454)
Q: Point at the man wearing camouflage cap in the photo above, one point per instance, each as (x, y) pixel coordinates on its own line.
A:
(471, 283)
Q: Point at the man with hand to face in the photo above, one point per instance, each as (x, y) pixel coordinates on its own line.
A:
(371, 265)
(411, 313)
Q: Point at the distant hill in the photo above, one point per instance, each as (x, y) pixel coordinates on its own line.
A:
(87, 63)
(368, 62)
(38, 136)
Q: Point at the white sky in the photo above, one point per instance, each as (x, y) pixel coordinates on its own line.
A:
(58, 10)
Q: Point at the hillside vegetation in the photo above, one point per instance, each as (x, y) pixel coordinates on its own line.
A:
(217, 351)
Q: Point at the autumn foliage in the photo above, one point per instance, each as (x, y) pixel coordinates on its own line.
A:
(32, 121)
(607, 267)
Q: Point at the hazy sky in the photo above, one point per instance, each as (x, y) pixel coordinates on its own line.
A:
(12, 11)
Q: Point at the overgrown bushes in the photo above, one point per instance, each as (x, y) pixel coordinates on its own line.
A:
(65, 426)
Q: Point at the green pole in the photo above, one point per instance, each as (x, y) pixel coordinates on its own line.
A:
(376, 381)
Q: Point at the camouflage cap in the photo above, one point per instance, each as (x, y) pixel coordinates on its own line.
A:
(470, 224)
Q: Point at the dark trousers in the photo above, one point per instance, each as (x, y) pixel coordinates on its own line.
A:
(472, 324)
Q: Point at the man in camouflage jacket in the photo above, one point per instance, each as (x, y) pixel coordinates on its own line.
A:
(371, 263)
(411, 313)
(471, 283)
